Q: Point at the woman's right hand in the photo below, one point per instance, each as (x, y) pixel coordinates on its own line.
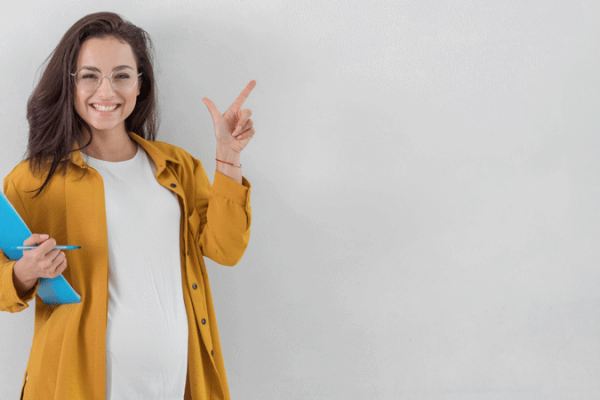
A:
(41, 262)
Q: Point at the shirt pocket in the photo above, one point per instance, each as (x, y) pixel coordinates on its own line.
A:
(195, 224)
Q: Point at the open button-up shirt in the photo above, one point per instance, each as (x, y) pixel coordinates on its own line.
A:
(67, 359)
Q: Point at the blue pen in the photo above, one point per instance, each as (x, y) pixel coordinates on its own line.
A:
(55, 248)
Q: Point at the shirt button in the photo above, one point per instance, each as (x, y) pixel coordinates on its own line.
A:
(194, 286)
(203, 321)
(173, 185)
(212, 353)
(20, 304)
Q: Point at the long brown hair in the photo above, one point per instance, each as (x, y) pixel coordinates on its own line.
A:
(54, 125)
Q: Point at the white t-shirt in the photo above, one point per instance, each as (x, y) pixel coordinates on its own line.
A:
(147, 330)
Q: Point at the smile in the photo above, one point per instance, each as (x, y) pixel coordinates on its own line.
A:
(105, 108)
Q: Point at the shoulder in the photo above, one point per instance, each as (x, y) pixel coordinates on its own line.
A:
(171, 150)
(176, 155)
(22, 176)
(20, 169)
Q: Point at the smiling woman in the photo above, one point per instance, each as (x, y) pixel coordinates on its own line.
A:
(57, 129)
(145, 216)
(105, 104)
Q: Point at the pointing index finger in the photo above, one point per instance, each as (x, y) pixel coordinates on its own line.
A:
(237, 104)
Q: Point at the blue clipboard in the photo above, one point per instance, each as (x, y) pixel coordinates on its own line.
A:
(13, 232)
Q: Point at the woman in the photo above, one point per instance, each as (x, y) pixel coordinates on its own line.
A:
(144, 213)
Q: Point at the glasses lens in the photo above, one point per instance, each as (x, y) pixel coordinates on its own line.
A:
(87, 80)
(124, 80)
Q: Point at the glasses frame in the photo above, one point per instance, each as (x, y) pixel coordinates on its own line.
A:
(112, 83)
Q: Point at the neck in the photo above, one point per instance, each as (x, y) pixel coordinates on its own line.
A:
(110, 146)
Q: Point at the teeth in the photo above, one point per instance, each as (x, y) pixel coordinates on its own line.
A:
(102, 108)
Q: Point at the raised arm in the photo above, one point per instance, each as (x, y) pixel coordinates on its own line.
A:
(224, 216)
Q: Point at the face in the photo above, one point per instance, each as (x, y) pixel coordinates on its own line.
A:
(105, 109)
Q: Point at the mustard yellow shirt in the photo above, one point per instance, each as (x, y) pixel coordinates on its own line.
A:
(67, 359)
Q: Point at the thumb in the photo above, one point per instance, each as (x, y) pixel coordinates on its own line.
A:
(212, 109)
(35, 239)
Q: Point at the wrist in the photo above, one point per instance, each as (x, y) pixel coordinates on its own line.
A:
(22, 283)
(19, 276)
(226, 154)
(227, 157)
(229, 163)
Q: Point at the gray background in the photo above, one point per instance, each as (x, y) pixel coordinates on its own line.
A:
(425, 188)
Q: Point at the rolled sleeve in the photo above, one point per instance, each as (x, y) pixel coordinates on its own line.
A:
(224, 209)
(230, 189)
(9, 299)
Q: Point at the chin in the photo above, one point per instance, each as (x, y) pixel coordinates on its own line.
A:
(103, 128)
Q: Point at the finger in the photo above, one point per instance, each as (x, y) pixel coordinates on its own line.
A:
(56, 256)
(249, 124)
(51, 269)
(237, 104)
(243, 118)
(50, 266)
(44, 249)
(246, 135)
(51, 257)
(35, 238)
(41, 251)
(212, 109)
(60, 266)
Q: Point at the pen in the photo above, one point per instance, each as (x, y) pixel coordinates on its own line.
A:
(55, 247)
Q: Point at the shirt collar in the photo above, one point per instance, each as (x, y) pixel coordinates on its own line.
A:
(149, 146)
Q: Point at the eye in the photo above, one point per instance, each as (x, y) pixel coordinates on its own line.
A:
(89, 76)
(122, 76)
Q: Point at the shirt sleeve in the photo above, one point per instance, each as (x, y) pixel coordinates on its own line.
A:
(225, 216)
(9, 299)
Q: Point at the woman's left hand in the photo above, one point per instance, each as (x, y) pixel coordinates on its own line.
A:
(233, 128)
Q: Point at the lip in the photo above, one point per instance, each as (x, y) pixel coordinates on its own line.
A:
(105, 105)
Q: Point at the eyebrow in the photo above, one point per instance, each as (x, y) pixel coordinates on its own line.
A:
(115, 69)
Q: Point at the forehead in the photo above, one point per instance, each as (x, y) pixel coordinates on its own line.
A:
(105, 54)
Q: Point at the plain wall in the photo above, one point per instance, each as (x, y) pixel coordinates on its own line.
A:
(425, 192)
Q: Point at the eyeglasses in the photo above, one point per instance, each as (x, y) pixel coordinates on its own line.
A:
(89, 80)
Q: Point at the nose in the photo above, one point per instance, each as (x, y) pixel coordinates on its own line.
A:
(105, 87)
